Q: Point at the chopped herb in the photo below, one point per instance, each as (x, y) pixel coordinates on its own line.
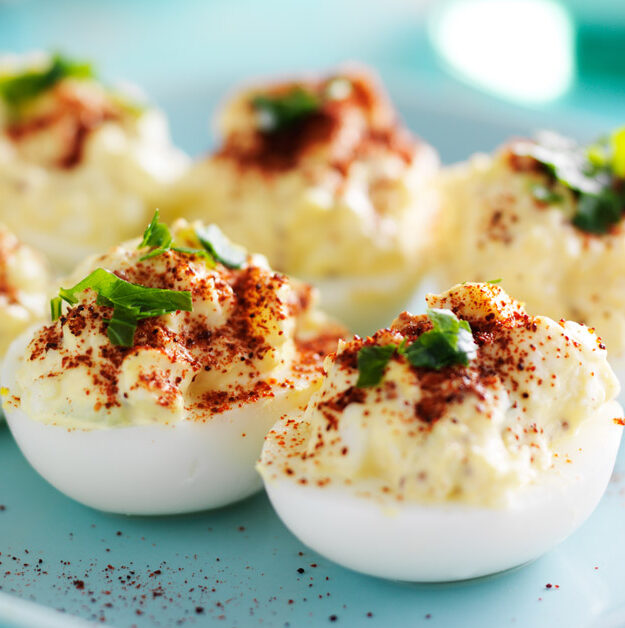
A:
(220, 248)
(16, 90)
(567, 162)
(544, 194)
(56, 308)
(122, 326)
(449, 342)
(276, 112)
(372, 363)
(112, 290)
(131, 302)
(157, 236)
(596, 213)
(594, 174)
(494, 281)
(215, 246)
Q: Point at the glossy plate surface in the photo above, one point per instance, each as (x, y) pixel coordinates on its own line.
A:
(239, 566)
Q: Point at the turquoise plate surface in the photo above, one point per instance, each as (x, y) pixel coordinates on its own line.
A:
(64, 565)
(239, 566)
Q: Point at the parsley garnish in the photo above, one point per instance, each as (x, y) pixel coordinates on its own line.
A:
(597, 213)
(157, 236)
(279, 111)
(544, 194)
(449, 342)
(372, 363)
(215, 246)
(219, 247)
(16, 90)
(594, 174)
(56, 308)
(130, 302)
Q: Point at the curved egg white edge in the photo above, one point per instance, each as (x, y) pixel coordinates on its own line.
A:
(447, 542)
(147, 470)
(366, 304)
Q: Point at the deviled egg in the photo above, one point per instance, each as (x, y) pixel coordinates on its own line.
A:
(452, 445)
(319, 175)
(152, 389)
(81, 165)
(545, 216)
(24, 285)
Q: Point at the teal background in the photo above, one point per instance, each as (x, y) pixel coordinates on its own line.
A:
(187, 55)
(239, 564)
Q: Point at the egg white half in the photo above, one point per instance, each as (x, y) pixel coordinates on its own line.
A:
(150, 470)
(447, 542)
(365, 304)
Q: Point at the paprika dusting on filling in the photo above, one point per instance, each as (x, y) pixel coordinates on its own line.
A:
(466, 431)
(320, 175)
(71, 115)
(358, 123)
(252, 332)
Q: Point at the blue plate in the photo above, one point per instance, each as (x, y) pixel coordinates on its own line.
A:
(62, 564)
(239, 566)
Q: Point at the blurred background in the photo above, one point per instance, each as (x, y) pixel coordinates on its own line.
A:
(465, 74)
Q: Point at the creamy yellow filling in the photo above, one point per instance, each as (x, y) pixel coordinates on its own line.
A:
(80, 171)
(493, 227)
(463, 434)
(244, 341)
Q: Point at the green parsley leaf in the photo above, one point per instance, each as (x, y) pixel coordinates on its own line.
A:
(275, 112)
(494, 281)
(156, 233)
(149, 301)
(197, 252)
(567, 162)
(157, 236)
(215, 246)
(17, 90)
(131, 302)
(591, 173)
(596, 213)
(372, 363)
(544, 194)
(56, 308)
(449, 342)
(444, 321)
(122, 326)
(220, 248)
